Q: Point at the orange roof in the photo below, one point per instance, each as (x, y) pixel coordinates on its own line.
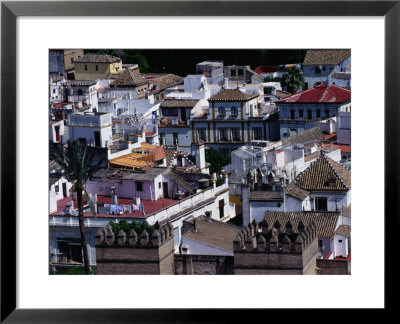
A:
(342, 148)
(100, 90)
(133, 160)
(140, 160)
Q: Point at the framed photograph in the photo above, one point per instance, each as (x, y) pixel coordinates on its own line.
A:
(29, 290)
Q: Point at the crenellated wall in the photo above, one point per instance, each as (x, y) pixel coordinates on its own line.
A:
(135, 254)
(258, 250)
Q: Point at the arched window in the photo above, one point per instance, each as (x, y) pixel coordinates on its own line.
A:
(97, 67)
(309, 114)
(318, 113)
(291, 113)
(85, 67)
(301, 113)
(326, 113)
(234, 111)
(221, 111)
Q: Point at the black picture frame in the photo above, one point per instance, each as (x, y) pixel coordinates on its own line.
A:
(10, 10)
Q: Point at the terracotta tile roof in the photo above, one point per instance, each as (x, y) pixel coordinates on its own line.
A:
(343, 230)
(346, 211)
(183, 103)
(311, 156)
(78, 83)
(343, 148)
(330, 137)
(266, 196)
(296, 192)
(232, 95)
(324, 174)
(175, 178)
(128, 78)
(97, 58)
(124, 174)
(282, 94)
(324, 221)
(163, 81)
(329, 56)
(320, 94)
(314, 134)
(214, 233)
(170, 153)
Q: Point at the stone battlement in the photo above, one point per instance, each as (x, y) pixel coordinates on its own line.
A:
(161, 234)
(135, 254)
(256, 237)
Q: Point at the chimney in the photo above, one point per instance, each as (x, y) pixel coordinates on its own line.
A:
(226, 83)
(195, 228)
(246, 204)
(200, 157)
(114, 198)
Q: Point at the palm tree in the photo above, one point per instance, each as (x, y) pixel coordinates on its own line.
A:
(293, 80)
(79, 167)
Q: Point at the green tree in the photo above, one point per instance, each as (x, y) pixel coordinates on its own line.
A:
(217, 160)
(78, 167)
(293, 80)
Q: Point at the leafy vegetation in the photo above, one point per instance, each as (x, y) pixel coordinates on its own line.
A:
(79, 167)
(128, 227)
(293, 80)
(183, 62)
(217, 160)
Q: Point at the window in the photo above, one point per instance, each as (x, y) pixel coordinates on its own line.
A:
(240, 72)
(340, 241)
(56, 188)
(201, 134)
(309, 114)
(291, 113)
(305, 85)
(321, 204)
(267, 90)
(54, 90)
(175, 138)
(257, 133)
(320, 247)
(326, 113)
(235, 133)
(72, 60)
(317, 69)
(234, 111)
(80, 92)
(139, 186)
(97, 67)
(170, 112)
(301, 113)
(223, 134)
(233, 72)
(324, 68)
(318, 113)
(221, 111)
(85, 67)
(159, 185)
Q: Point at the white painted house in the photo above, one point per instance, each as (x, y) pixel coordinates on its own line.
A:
(92, 128)
(319, 64)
